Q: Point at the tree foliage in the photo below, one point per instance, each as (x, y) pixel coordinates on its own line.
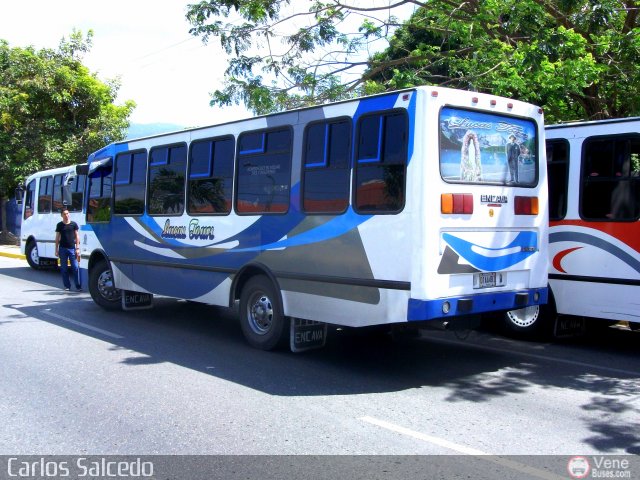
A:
(579, 59)
(53, 110)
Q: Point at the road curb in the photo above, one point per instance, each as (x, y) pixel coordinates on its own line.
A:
(12, 255)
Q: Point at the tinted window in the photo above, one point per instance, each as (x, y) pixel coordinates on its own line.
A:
(610, 178)
(129, 186)
(558, 175)
(211, 176)
(76, 188)
(264, 173)
(381, 167)
(369, 138)
(99, 204)
(45, 190)
(326, 167)
(58, 199)
(167, 180)
(30, 199)
(252, 143)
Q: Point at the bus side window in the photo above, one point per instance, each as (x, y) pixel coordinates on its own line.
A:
(610, 190)
(129, 183)
(29, 200)
(264, 171)
(381, 160)
(326, 163)
(77, 188)
(58, 192)
(210, 176)
(45, 191)
(99, 205)
(167, 169)
(558, 176)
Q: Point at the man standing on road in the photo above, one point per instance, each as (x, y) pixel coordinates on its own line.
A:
(68, 249)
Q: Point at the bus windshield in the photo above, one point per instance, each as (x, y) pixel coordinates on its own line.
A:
(478, 147)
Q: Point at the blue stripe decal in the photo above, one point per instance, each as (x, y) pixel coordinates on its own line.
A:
(332, 229)
(526, 242)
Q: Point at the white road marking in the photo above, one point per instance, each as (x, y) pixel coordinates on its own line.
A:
(441, 442)
(424, 437)
(83, 325)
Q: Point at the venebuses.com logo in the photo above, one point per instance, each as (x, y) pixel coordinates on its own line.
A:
(599, 467)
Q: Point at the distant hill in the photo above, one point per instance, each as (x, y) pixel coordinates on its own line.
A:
(137, 130)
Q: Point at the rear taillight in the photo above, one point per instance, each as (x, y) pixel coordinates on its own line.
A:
(456, 203)
(526, 205)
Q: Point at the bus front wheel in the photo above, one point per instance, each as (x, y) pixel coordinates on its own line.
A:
(33, 259)
(102, 288)
(261, 315)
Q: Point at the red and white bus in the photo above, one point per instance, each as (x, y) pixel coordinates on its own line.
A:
(594, 236)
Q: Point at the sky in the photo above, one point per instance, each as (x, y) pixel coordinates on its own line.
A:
(146, 43)
(165, 70)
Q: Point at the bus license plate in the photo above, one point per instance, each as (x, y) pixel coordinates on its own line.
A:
(489, 279)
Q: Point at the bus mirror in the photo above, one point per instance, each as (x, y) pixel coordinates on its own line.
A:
(66, 196)
(68, 178)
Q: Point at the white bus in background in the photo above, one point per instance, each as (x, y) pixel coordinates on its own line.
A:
(400, 208)
(46, 193)
(594, 236)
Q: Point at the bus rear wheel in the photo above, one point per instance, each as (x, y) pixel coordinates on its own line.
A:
(261, 315)
(102, 288)
(530, 322)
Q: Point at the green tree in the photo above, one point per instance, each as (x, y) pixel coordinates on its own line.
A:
(53, 110)
(579, 59)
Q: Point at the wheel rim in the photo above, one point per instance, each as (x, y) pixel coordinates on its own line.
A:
(106, 288)
(33, 255)
(260, 313)
(524, 317)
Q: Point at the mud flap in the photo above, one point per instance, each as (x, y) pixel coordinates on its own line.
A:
(136, 300)
(307, 334)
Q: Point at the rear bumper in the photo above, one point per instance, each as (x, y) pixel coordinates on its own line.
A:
(475, 304)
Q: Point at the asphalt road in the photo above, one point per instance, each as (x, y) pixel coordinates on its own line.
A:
(180, 379)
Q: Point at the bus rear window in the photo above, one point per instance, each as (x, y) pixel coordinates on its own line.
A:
(487, 148)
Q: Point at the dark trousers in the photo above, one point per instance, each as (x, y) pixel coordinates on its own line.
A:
(69, 255)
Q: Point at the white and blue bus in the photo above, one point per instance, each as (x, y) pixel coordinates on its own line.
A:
(46, 193)
(399, 208)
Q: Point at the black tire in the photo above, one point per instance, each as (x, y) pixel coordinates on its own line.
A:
(33, 259)
(101, 287)
(261, 315)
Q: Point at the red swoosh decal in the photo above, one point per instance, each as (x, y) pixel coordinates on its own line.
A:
(557, 260)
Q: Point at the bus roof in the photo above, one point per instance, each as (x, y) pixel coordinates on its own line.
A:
(591, 123)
